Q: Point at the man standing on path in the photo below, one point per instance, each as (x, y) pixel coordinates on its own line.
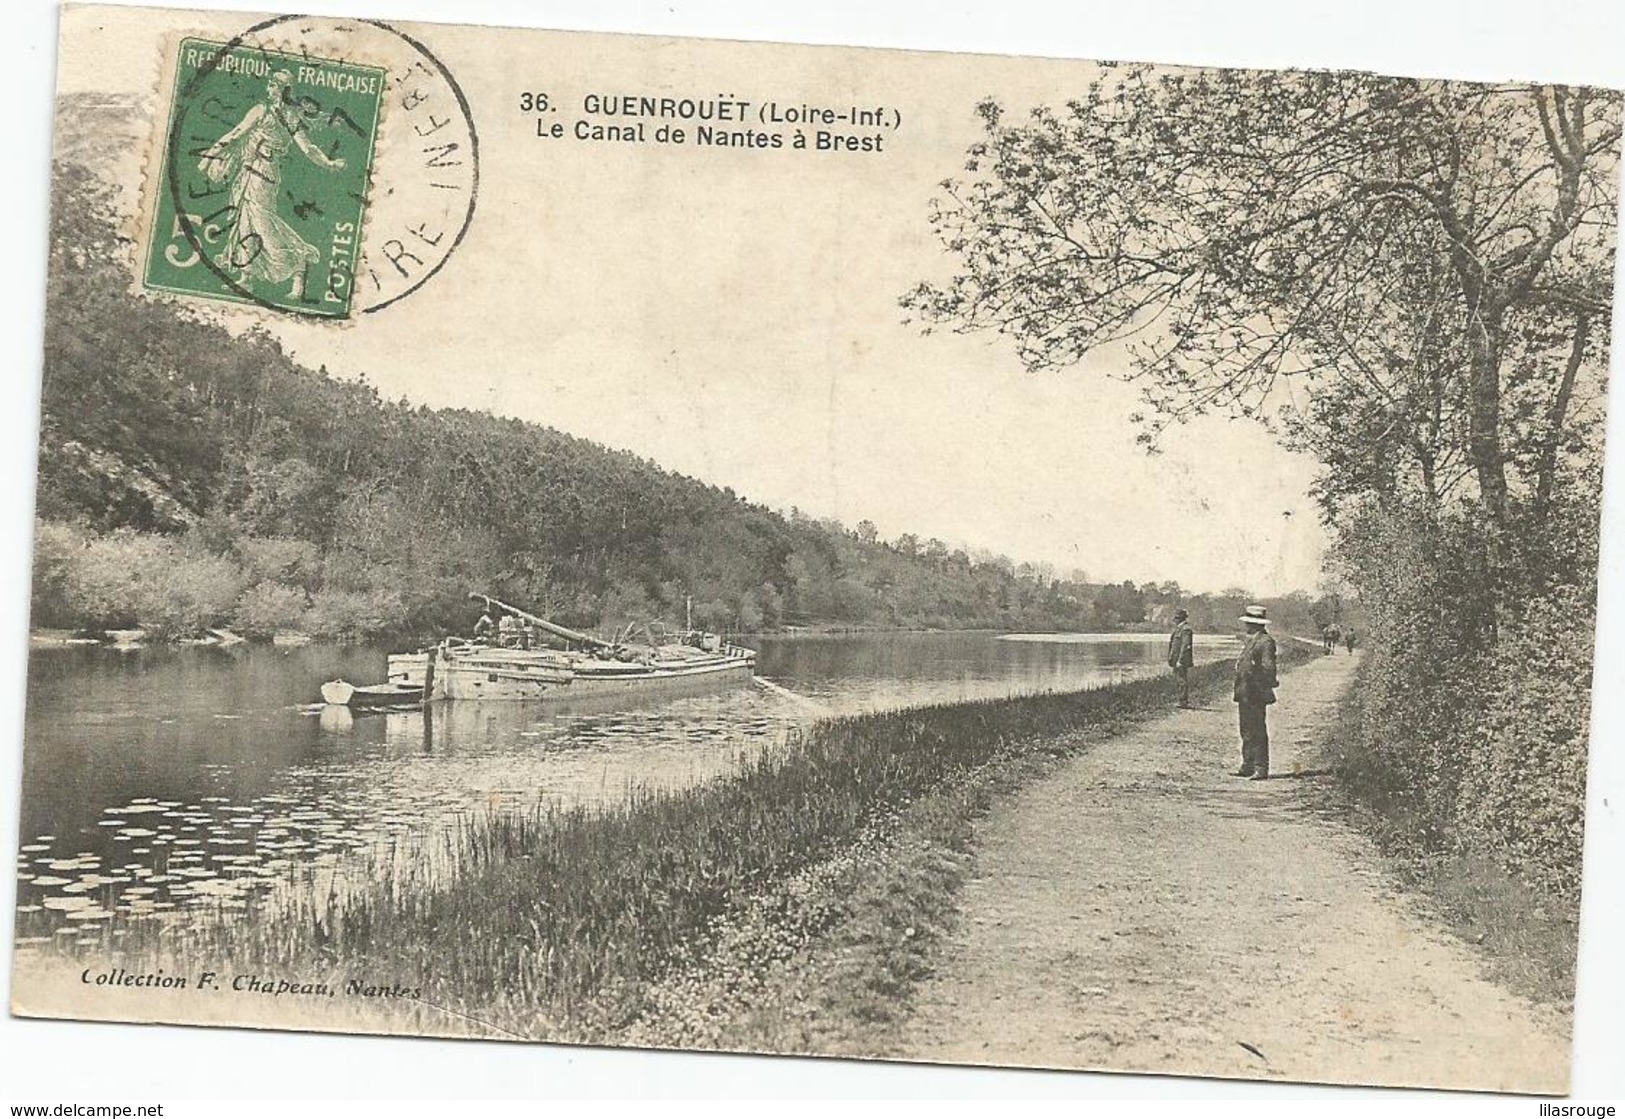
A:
(1255, 691)
(1182, 654)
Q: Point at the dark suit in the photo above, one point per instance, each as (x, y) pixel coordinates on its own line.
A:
(1255, 691)
(1181, 656)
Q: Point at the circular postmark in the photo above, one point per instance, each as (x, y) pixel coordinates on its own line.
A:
(317, 166)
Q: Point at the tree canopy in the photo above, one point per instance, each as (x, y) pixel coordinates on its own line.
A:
(1409, 278)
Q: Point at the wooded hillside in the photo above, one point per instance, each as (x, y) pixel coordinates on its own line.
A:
(189, 478)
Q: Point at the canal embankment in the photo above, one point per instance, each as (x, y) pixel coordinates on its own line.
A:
(790, 905)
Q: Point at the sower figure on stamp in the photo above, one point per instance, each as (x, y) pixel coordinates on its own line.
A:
(261, 247)
(1255, 691)
(1182, 654)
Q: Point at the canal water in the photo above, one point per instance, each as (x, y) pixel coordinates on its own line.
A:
(161, 780)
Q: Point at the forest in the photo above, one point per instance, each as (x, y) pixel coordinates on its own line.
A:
(191, 480)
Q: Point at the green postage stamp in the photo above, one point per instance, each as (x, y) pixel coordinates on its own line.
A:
(263, 178)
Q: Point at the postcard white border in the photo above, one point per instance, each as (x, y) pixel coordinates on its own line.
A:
(1581, 41)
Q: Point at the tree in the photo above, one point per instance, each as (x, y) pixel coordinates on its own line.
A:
(1409, 276)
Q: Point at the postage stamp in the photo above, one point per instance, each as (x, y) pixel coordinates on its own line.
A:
(264, 183)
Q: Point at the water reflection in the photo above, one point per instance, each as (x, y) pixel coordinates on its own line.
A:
(166, 783)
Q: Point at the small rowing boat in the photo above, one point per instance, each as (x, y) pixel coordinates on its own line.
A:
(342, 693)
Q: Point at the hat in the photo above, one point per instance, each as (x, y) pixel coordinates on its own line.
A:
(1254, 615)
(1181, 614)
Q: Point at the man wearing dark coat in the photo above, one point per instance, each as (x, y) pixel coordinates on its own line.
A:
(1255, 691)
(1182, 654)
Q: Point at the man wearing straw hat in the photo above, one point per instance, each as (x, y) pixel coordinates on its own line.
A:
(1255, 691)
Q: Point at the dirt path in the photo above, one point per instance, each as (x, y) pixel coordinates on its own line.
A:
(1142, 910)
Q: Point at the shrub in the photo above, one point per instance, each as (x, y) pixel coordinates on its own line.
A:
(340, 615)
(56, 596)
(176, 591)
(126, 579)
(270, 606)
(293, 562)
(1474, 700)
(1523, 789)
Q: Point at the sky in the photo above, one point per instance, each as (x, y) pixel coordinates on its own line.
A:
(734, 316)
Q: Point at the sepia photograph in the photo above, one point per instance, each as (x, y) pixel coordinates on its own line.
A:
(684, 542)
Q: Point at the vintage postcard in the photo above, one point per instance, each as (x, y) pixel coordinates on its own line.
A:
(672, 543)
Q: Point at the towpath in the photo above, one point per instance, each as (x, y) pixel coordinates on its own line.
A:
(1142, 910)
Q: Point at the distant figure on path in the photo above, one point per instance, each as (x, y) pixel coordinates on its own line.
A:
(1326, 639)
(1348, 641)
(1255, 691)
(1182, 654)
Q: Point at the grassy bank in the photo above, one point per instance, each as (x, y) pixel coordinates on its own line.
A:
(826, 961)
(564, 923)
(1528, 936)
